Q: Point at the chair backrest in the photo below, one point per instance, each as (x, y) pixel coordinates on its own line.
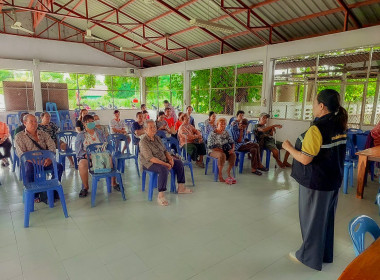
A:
(51, 106)
(252, 124)
(201, 125)
(37, 158)
(350, 149)
(13, 119)
(69, 138)
(358, 227)
(54, 117)
(115, 141)
(93, 148)
(168, 142)
(354, 130)
(231, 120)
(19, 115)
(361, 140)
(64, 115)
(129, 123)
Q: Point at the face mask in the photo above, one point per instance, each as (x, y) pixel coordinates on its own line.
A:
(91, 125)
(97, 122)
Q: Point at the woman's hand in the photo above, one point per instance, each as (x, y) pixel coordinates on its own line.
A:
(171, 161)
(287, 145)
(231, 151)
(168, 165)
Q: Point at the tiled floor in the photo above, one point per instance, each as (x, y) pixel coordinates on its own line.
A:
(243, 231)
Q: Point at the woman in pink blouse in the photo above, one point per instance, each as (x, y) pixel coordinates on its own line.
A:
(191, 139)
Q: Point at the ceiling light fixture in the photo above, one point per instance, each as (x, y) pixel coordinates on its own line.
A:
(211, 25)
(133, 50)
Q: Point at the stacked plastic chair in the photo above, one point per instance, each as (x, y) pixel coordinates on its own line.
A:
(66, 123)
(51, 108)
(13, 121)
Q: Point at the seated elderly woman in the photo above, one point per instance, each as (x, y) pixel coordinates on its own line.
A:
(52, 129)
(222, 148)
(90, 135)
(191, 139)
(154, 157)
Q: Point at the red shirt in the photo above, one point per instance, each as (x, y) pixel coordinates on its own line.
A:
(177, 125)
(170, 121)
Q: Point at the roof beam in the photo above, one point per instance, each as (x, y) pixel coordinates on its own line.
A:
(113, 31)
(1, 5)
(204, 29)
(350, 14)
(266, 2)
(41, 5)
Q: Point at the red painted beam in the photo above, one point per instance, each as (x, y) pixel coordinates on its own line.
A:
(30, 3)
(350, 14)
(266, 2)
(188, 19)
(43, 6)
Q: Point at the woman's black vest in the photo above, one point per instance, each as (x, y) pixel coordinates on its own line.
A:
(325, 172)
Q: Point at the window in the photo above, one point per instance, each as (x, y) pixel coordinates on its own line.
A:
(95, 92)
(166, 87)
(352, 73)
(16, 90)
(225, 90)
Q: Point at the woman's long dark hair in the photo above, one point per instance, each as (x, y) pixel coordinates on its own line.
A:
(331, 99)
(80, 118)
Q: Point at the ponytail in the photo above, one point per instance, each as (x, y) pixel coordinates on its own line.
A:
(331, 99)
(341, 118)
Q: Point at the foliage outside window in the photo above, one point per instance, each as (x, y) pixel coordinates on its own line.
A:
(344, 71)
(225, 90)
(166, 87)
(15, 76)
(97, 92)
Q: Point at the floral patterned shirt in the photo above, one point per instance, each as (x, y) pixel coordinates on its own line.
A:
(51, 128)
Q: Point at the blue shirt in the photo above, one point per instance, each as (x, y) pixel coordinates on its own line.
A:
(235, 131)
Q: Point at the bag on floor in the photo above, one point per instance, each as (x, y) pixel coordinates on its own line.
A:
(101, 160)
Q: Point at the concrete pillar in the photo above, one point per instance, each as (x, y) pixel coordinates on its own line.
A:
(38, 104)
(186, 88)
(142, 90)
(267, 87)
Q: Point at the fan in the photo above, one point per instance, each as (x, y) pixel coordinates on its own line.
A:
(18, 26)
(90, 37)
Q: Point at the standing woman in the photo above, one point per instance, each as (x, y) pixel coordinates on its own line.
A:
(79, 126)
(318, 168)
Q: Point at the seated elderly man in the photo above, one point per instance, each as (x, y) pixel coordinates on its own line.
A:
(154, 157)
(32, 139)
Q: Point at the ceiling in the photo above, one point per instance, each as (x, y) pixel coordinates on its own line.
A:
(163, 28)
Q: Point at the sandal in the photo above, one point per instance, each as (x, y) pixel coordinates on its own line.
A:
(83, 193)
(185, 191)
(162, 201)
(263, 169)
(230, 181)
(257, 173)
(116, 187)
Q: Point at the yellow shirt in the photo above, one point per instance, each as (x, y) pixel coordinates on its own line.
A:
(312, 142)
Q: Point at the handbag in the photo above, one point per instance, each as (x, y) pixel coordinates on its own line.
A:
(101, 160)
(226, 149)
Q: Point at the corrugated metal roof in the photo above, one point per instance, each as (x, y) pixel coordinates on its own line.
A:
(284, 14)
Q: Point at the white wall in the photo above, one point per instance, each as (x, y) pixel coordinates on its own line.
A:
(25, 48)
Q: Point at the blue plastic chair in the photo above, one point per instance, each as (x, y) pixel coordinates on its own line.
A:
(14, 157)
(54, 117)
(348, 175)
(358, 227)
(187, 162)
(42, 182)
(201, 126)
(251, 122)
(69, 138)
(93, 148)
(231, 120)
(38, 116)
(51, 106)
(19, 115)
(240, 160)
(268, 153)
(153, 180)
(171, 142)
(13, 121)
(66, 122)
(115, 141)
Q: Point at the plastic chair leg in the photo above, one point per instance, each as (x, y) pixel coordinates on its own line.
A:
(267, 162)
(63, 201)
(143, 179)
(191, 172)
(120, 180)
(152, 183)
(352, 175)
(372, 169)
(345, 179)
(27, 210)
(241, 163)
(206, 165)
(137, 166)
(215, 170)
(173, 188)
(50, 196)
(75, 162)
(109, 185)
(93, 191)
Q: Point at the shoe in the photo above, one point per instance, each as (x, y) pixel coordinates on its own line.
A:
(292, 257)
(83, 193)
(258, 173)
(116, 187)
(230, 181)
